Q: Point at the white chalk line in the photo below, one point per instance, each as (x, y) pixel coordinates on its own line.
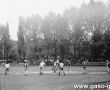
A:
(50, 72)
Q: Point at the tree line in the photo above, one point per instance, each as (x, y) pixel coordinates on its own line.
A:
(78, 33)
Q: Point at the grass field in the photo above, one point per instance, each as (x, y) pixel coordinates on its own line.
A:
(50, 81)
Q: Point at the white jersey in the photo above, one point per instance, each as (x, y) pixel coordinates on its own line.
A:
(57, 61)
(7, 65)
(55, 64)
(25, 64)
(84, 63)
(61, 65)
(42, 64)
(107, 62)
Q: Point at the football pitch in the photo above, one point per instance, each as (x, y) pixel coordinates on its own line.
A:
(16, 80)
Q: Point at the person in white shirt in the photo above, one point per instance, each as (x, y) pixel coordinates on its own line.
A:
(57, 63)
(61, 68)
(42, 64)
(108, 66)
(84, 67)
(7, 66)
(54, 69)
(25, 67)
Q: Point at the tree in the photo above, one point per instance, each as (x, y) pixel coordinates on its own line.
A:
(96, 22)
(97, 46)
(62, 33)
(50, 34)
(30, 36)
(13, 54)
(21, 41)
(107, 44)
(5, 38)
(87, 24)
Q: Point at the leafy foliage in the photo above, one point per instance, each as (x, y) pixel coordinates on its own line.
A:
(79, 33)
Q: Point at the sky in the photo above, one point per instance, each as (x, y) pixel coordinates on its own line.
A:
(10, 10)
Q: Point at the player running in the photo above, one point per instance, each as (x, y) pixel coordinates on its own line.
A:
(84, 67)
(7, 67)
(108, 66)
(54, 69)
(25, 67)
(68, 63)
(42, 64)
(57, 63)
(61, 68)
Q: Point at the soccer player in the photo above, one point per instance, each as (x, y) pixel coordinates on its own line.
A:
(108, 66)
(25, 67)
(61, 68)
(41, 67)
(7, 66)
(54, 67)
(84, 67)
(57, 63)
(68, 62)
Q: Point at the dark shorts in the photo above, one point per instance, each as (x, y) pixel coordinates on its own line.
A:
(61, 68)
(84, 67)
(7, 69)
(41, 68)
(109, 65)
(25, 68)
